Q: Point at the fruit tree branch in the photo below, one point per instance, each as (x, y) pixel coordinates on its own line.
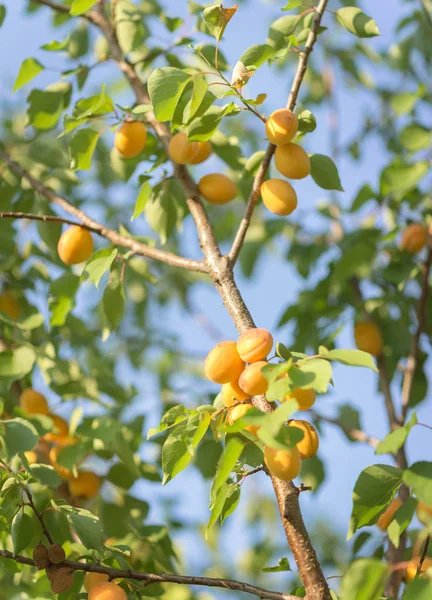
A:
(38, 514)
(265, 163)
(150, 578)
(423, 554)
(114, 237)
(356, 434)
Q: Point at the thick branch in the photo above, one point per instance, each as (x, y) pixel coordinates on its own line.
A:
(150, 578)
(356, 434)
(292, 99)
(114, 237)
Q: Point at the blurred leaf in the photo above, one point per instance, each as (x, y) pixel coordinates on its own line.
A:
(401, 178)
(324, 172)
(46, 474)
(401, 520)
(419, 478)
(114, 300)
(364, 579)
(306, 122)
(16, 364)
(217, 18)
(2, 14)
(415, 137)
(291, 4)
(141, 201)
(404, 102)
(256, 55)
(283, 565)
(78, 7)
(355, 21)
(281, 29)
(21, 531)
(18, 436)
(99, 263)
(82, 147)
(419, 589)
(396, 439)
(353, 358)
(28, 71)
(86, 525)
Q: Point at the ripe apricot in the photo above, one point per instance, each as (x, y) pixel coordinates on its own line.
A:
(223, 363)
(31, 457)
(107, 591)
(284, 464)
(130, 138)
(60, 430)
(424, 513)
(217, 188)
(281, 126)
(254, 344)
(33, 403)
(181, 151)
(92, 579)
(239, 411)
(75, 245)
(305, 398)
(292, 161)
(232, 392)
(279, 197)
(368, 337)
(414, 238)
(308, 446)
(86, 485)
(9, 305)
(411, 569)
(252, 381)
(204, 151)
(387, 516)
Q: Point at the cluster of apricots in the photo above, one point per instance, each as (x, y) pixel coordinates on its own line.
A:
(85, 484)
(238, 367)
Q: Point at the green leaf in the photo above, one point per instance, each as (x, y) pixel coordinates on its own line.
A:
(401, 178)
(313, 472)
(165, 87)
(364, 194)
(282, 351)
(217, 504)
(203, 128)
(63, 291)
(231, 502)
(283, 563)
(31, 322)
(353, 358)
(198, 93)
(401, 519)
(86, 525)
(78, 7)
(404, 103)
(355, 21)
(256, 55)
(28, 71)
(18, 436)
(291, 5)
(217, 18)
(396, 439)
(419, 477)
(2, 14)
(46, 474)
(415, 137)
(123, 450)
(46, 106)
(94, 105)
(114, 301)
(364, 579)
(175, 454)
(306, 122)
(141, 201)
(280, 30)
(21, 531)
(15, 364)
(99, 263)
(230, 455)
(196, 429)
(173, 416)
(419, 589)
(55, 46)
(82, 147)
(373, 492)
(324, 172)
(166, 209)
(314, 373)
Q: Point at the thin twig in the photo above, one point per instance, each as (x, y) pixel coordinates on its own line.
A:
(356, 434)
(38, 514)
(423, 554)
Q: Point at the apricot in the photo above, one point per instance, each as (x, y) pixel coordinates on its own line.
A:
(130, 138)
(217, 188)
(252, 381)
(223, 363)
(254, 344)
(9, 305)
(232, 392)
(292, 161)
(284, 464)
(411, 569)
(107, 591)
(60, 430)
(31, 457)
(239, 411)
(424, 513)
(387, 516)
(305, 398)
(368, 337)
(204, 151)
(279, 197)
(92, 579)
(281, 126)
(414, 238)
(85, 485)
(308, 446)
(75, 245)
(181, 151)
(33, 403)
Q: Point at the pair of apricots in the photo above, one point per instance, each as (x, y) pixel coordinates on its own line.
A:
(86, 484)
(238, 367)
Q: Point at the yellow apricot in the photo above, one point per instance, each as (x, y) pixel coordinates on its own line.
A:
(85, 485)
(9, 305)
(281, 126)
(305, 398)
(60, 429)
(217, 188)
(107, 591)
(284, 464)
(33, 403)
(130, 138)
(223, 363)
(204, 151)
(292, 161)
(252, 381)
(411, 569)
(254, 344)
(75, 245)
(232, 392)
(239, 411)
(308, 446)
(368, 337)
(180, 150)
(414, 238)
(387, 516)
(31, 457)
(424, 513)
(92, 579)
(279, 197)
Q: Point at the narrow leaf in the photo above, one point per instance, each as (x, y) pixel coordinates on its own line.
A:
(141, 201)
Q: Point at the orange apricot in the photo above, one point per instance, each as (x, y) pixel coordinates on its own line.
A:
(9, 305)
(217, 188)
(107, 591)
(292, 161)
(424, 513)
(204, 151)
(130, 138)
(252, 381)
(305, 398)
(411, 569)
(239, 411)
(284, 464)
(281, 126)
(33, 403)
(92, 579)
(414, 238)
(181, 151)
(368, 337)
(75, 245)
(279, 197)
(223, 363)
(308, 446)
(254, 344)
(60, 430)
(232, 392)
(85, 485)
(31, 457)
(387, 516)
